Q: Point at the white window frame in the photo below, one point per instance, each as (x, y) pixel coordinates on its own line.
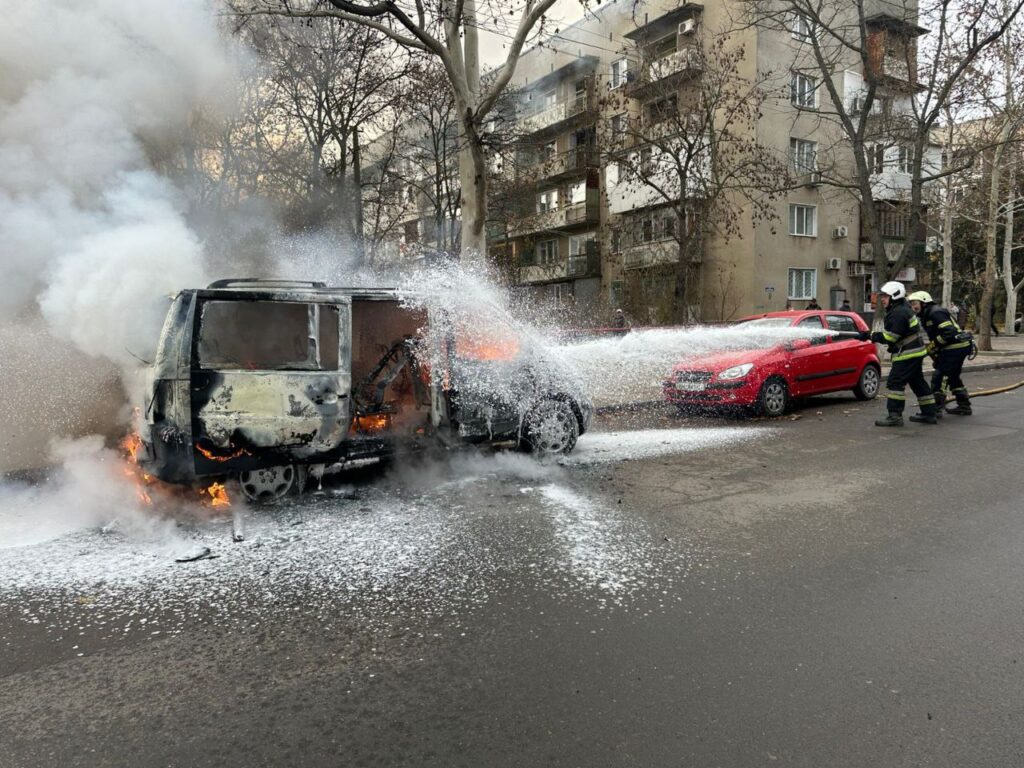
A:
(619, 72)
(905, 159)
(547, 252)
(562, 292)
(798, 220)
(802, 85)
(800, 151)
(547, 201)
(801, 27)
(802, 283)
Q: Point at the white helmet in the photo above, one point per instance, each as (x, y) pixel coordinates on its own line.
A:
(894, 289)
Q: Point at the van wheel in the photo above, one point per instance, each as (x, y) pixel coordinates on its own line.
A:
(868, 383)
(266, 486)
(550, 428)
(773, 398)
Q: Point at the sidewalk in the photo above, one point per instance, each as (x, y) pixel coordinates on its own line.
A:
(1007, 352)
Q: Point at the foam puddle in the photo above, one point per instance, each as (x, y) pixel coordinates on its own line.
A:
(390, 552)
(604, 447)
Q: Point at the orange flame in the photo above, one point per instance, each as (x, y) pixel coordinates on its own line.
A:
(376, 422)
(130, 444)
(214, 457)
(218, 495)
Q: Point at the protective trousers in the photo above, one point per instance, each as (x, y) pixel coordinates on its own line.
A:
(902, 373)
(949, 363)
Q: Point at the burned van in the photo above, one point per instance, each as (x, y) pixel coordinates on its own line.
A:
(260, 380)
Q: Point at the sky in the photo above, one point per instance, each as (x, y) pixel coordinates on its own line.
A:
(494, 47)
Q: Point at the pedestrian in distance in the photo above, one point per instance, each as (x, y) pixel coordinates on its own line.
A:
(961, 314)
(845, 306)
(992, 319)
(902, 334)
(620, 319)
(949, 346)
(813, 304)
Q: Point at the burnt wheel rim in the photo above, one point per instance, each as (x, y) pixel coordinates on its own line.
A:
(869, 382)
(265, 485)
(774, 398)
(551, 430)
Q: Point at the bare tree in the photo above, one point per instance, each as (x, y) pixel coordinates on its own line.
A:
(448, 31)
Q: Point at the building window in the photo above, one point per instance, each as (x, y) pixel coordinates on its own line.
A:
(548, 150)
(802, 28)
(803, 220)
(618, 127)
(803, 283)
(663, 47)
(616, 240)
(547, 201)
(578, 193)
(875, 156)
(803, 90)
(619, 73)
(561, 292)
(547, 252)
(578, 243)
(905, 163)
(662, 110)
(412, 231)
(803, 155)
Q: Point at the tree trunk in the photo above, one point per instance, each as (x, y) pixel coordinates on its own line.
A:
(991, 230)
(947, 227)
(1011, 292)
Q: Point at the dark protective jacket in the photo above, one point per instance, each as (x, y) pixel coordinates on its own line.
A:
(943, 331)
(902, 332)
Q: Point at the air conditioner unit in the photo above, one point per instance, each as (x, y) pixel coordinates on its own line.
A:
(688, 27)
(811, 179)
(840, 232)
(833, 264)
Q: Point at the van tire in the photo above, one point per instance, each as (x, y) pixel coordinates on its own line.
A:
(271, 484)
(551, 427)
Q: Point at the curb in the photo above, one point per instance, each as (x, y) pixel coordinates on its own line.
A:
(980, 366)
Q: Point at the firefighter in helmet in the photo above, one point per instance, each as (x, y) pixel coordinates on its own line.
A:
(949, 347)
(902, 333)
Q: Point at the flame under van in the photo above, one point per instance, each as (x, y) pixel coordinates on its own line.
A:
(262, 379)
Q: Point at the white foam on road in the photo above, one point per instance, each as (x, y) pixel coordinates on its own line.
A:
(604, 447)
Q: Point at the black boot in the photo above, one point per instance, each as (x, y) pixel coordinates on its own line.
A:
(924, 418)
(961, 409)
(940, 402)
(892, 420)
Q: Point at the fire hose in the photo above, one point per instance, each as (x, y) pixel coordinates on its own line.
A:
(998, 390)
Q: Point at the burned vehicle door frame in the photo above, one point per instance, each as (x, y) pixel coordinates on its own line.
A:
(269, 378)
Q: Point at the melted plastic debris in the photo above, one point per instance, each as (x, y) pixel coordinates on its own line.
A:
(423, 543)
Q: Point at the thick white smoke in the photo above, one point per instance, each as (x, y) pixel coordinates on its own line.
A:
(90, 234)
(93, 237)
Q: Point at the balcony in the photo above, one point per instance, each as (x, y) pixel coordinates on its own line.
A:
(556, 114)
(576, 267)
(653, 254)
(587, 212)
(571, 162)
(662, 72)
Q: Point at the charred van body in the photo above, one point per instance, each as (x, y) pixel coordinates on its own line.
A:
(260, 379)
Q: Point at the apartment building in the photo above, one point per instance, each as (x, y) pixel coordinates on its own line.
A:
(580, 237)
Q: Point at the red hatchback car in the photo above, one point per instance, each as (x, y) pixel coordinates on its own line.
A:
(768, 380)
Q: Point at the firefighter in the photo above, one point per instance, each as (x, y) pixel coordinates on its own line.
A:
(902, 333)
(949, 347)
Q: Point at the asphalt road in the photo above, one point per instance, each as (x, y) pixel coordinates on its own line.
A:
(810, 591)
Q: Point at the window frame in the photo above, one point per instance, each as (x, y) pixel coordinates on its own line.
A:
(547, 252)
(804, 272)
(618, 76)
(793, 211)
(798, 88)
(795, 153)
(802, 28)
